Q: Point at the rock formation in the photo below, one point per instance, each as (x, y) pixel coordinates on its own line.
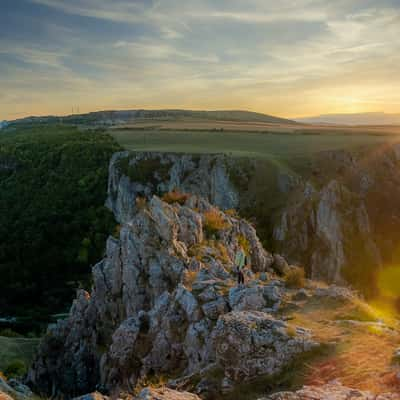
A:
(144, 174)
(165, 307)
(164, 302)
(338, 218)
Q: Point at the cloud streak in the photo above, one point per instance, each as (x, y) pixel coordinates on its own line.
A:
(291, 59)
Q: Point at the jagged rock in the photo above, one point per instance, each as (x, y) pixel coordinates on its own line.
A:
(214, 309)
(249, 344)
(144, 174)
(349, 222)
(142, 317)
(318, 230)
(332, 391)
(165, 394)
(255, 298)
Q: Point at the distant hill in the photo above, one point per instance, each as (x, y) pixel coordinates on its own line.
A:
(373, 118)
(129, 116)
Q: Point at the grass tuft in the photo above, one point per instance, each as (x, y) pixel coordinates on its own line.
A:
(295, 278)
(214, 222)
(175, 197)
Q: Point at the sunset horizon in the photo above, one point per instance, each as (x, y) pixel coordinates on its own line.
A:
(290, 60)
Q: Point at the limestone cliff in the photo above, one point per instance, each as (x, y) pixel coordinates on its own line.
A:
(164, 302)
(338, 217)
(144, 174)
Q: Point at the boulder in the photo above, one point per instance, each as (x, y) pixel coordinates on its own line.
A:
(250, 344)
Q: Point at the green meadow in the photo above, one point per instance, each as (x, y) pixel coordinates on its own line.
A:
(243, 144)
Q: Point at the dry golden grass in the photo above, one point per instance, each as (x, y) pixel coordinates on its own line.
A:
(207, 248)
(188, 278)
(214, 222)
(295, 278)
(156, 381)
(231, 212)
(363, 352)
(175, 197)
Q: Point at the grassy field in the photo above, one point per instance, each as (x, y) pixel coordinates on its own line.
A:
(16, 349)
(239, 143)
(286, 151)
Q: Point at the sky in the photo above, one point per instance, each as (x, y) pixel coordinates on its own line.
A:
(290, 58)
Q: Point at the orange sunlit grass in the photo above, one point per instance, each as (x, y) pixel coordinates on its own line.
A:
(362, 346)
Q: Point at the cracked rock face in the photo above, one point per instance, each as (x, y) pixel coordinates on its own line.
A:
(144, 174)
(164, 303)
(252, 343)
(346, 220)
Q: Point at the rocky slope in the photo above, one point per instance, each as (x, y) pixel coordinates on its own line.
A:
(165, 309)
(164, 302)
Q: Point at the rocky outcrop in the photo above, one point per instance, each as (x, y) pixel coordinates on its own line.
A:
(338, 217)
(251, 344)
(164, 303)
(327, 231)
(341, 218)
(332, 391)
(133, 175)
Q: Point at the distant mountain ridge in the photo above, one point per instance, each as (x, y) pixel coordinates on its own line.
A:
(371, 118)
(124, 116)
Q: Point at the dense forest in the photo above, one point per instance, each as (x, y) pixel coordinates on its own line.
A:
(53, 223)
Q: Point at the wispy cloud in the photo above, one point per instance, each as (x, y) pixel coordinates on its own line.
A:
(288, 57)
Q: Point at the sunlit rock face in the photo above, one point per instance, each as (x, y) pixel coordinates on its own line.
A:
(164, 302)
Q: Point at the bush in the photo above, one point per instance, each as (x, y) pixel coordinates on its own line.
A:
(214, 222)
(295, 277)
(175, 197)
(15, 369)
